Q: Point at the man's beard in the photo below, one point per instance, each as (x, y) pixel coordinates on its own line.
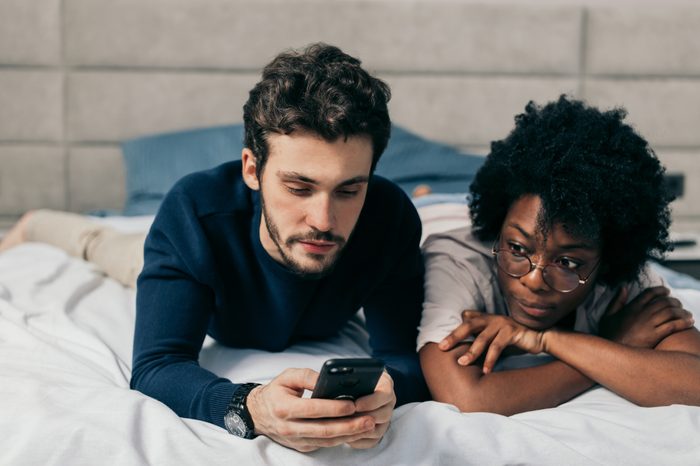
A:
(326, 262)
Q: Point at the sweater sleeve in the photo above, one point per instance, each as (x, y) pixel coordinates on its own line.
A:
(172, 314)
(393, 312)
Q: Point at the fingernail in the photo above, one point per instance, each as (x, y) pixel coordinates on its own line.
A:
(368, 424)
(443, 344)
(486, 370)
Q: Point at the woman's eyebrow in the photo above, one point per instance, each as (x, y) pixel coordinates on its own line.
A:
(521, 230)
(571, 246)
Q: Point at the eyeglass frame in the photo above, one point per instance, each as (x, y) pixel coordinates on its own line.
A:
(533, 266)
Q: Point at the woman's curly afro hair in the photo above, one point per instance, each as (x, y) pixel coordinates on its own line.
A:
(593, 174)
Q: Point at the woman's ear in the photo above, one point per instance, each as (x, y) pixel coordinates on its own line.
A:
(249, 172)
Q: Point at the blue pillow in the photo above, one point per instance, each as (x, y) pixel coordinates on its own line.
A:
(155, 163)
(410, 161)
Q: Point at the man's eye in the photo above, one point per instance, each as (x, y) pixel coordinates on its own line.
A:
(347, 192)
(298, 191)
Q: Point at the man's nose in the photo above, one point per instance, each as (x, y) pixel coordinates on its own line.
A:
(320, 213)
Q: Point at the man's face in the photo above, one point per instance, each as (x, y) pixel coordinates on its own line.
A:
(531, 301)
(312, 193)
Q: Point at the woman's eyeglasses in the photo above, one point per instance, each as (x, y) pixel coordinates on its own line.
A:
(557, 277)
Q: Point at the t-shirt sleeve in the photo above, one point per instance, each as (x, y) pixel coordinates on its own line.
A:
(603, 296)
(172, 314)
(454, 282)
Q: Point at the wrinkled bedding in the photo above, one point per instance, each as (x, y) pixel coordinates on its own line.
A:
(65, 356)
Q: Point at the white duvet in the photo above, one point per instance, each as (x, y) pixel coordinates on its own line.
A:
(65, 357)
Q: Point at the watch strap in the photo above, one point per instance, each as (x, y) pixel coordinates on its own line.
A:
(237, 406)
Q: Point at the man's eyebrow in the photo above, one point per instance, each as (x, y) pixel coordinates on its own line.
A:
(356, 180)
(295, 176)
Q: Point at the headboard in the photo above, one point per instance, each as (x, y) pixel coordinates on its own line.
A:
(79, 76)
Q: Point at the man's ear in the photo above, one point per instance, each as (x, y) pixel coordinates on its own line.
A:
(250, 177)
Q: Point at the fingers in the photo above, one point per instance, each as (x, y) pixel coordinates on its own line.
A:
(304, 379)
(306, 435)
(648, 295)
(672, 326)
(495, 349)
(307, 424)
(664, 309)
(480, 343)
(383, 396)
(472, 323)
(371, 439)
(336, 428)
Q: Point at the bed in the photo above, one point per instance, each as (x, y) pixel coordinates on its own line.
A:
(104, 104)
(65, 357)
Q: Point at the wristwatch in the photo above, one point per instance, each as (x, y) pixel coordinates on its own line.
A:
(237, 418)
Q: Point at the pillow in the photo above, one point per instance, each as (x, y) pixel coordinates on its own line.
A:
(155, 163)
(411, 161)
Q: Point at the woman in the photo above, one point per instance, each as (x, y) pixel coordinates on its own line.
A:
(565, 213)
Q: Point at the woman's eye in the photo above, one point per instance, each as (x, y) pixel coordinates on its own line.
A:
(568, 263)
(517, 249)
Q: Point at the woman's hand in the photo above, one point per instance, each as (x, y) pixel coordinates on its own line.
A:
(493, 334)
(646, 320)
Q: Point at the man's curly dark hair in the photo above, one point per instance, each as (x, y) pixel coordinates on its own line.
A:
(320, 89)
(594, 174)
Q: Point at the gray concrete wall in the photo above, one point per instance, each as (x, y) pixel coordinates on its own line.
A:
(78, 76)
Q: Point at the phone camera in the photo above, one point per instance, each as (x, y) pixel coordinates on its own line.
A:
(341, 370)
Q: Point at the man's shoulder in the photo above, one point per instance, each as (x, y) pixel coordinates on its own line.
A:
(387, 204)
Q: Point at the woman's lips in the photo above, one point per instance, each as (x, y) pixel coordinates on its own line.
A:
(534, 309)
(317, 247)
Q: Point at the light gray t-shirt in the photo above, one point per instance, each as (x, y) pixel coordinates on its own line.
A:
(460, 274)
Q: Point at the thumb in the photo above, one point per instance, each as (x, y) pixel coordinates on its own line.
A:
(618, 302)
(297, 379)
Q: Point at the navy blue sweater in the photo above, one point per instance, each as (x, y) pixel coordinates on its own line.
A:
(206, 272)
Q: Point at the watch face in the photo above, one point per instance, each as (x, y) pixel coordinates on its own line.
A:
(235, 425)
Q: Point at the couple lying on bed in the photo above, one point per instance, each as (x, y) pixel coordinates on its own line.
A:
(290, 241)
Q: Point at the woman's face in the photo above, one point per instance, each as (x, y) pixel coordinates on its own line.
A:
(531, 301)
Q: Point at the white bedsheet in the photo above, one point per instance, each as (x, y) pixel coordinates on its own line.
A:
(65, 356)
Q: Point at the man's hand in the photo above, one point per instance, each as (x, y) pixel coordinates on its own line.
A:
(306, 424)
(494, 334)
(646, 320)
(380, 406)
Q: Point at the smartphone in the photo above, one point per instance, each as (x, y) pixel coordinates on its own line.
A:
(348, 378)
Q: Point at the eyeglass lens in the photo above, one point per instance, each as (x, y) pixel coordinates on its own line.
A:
(555, 277)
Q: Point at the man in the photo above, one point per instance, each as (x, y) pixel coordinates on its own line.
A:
(283, 245)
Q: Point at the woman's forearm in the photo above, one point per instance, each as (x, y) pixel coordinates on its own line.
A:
(648, 377)
(505, 392)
